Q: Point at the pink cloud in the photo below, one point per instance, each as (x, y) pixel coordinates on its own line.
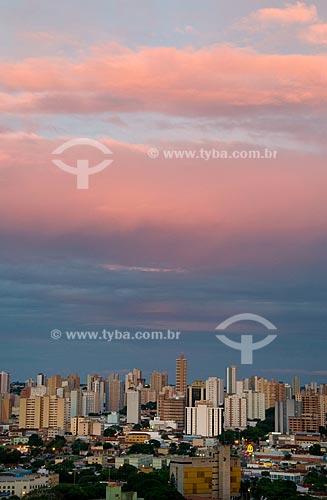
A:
(167, 80)
(299, 13)
(315, 34)
(182, 214)
(49, 39)
(120, 267)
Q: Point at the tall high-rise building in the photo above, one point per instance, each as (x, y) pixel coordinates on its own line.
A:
(97, 384)
(158, 381)
(231, 379)
(296, 386)
(4, 383)
(147, 395)
(76, 402)
(54, 383)
(196, 392)
(284, 410)
(6, 404)
(235, 412)
(133, 406)
(138, 378)
(323, 409)
(172, 407)
(40, 379)
(256, 408)
(115, 393)
(204, 420)
(181, 374)
(73, 382)
(215, 391)
(48, 412)
(90, 403)
(134, 379)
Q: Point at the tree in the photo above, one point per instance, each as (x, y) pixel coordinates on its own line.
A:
(78, 446)
(315, 449)
(227, 437)
(35, 440)
(262, 428)
(37, 464)
(137, 427)
(317, 479)
(149, 406)
(123, 411)
(172, 448)
(56, 444)
(142, 448)
(70, 492)
(152, 486)
(64, 469)
(112, 431)
(274, 490)
(184, 448)
(155, 443)
(9, 457)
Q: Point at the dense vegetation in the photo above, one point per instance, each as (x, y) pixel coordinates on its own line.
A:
(253, 434)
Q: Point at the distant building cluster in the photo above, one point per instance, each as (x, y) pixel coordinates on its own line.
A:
(188, 420)
(203, 408)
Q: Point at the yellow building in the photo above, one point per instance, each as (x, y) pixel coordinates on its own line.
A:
(5, 407)
(48, 412)
(235, 476)
(136, 437)
(207, 477)
(197, 480)
(85, 426)
(53, 384)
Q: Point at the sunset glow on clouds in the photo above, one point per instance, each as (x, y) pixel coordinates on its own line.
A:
(157, 241)
(165, 80)
(291, 13)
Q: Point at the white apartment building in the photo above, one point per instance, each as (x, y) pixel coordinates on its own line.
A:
(256, 405)
(21, 486)
(215, 391)
(133, 406)
(235, 415)
(204, 420)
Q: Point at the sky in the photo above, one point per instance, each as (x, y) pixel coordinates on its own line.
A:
(159, 243)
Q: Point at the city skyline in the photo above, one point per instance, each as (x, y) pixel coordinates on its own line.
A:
(298, 380)
(159, 240)
(163, 235)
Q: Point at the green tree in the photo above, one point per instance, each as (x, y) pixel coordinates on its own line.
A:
(123, 411)
(8, 457)
(227, 437)
(57, 444)
(315, 449)
(112, 431)
(152, 486)
(78, 446)
(184, 448)
(172, 448)
(137, 427)
(144, 449)
(70, 492)
(35, 440)
(274, 490)
(155, 443)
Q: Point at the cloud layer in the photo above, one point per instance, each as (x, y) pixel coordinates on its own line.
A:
(166, 80)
